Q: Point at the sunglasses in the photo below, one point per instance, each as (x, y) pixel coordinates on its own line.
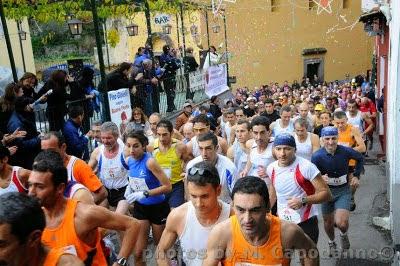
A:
(200, 171)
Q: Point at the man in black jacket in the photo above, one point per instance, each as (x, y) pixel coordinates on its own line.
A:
(190, 65)
(171, 64)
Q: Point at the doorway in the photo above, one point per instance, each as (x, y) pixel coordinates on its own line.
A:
(314, 66)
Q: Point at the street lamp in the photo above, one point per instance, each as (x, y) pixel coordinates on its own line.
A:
(22, 35)
(132, 29)
(167, 29)
(75, 26)
(68, 17)
(216, 28)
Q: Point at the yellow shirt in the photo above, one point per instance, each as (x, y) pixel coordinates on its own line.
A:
(169, 161)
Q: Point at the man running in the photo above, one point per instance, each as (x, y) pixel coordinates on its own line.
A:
(238, 152)
(333, 162)
(21, 241)
(154, 119)
(109, 159)
(171, 156)
(358, 119)
(284, 124)
(298, 185)
(74, 225)
(208, 146)
(253, 236)
(192, 222)
(306, 143)
(228, 129)
(78, 170)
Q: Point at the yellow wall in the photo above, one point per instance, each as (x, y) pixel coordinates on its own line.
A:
(27, 47)
(267, 46)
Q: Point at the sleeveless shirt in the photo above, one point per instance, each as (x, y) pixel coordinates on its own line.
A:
(15, 184)
(169, 161)
(53, 256)
(113, 172)
(304, 149)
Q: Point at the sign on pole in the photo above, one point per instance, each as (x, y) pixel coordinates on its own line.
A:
(120, 107)
(216, 80)
(162, 19)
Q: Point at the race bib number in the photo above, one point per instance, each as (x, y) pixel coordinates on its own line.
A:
(138, 184)
(289, 215)
(337, 181)
(70, 250)
(167, 171)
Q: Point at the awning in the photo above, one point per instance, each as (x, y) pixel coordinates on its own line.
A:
(370, 15)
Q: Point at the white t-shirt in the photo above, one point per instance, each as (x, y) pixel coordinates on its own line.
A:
(226, 170)
(286, 183)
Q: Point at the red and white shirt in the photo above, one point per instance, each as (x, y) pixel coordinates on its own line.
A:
(293, 181)
(15, 183)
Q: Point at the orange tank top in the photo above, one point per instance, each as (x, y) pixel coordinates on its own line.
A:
(245, 254)
(346, 139)
(64, 236)
(53, 256)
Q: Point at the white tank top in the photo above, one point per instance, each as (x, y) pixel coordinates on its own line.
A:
(356, 121)
(304, 149)
(227, 131)
(113, 173)
(194, 236)
(15, 184)
(260, 159)
(196, 148)
(278, 129)
(240, 157)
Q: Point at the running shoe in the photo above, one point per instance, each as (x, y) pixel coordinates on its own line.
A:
(344, 239)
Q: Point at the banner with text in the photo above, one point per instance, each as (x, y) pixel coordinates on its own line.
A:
(120, 107)
(196, 80)
(216, 80)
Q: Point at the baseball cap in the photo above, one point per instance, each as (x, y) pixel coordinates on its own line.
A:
(188, 103)
(319, 107)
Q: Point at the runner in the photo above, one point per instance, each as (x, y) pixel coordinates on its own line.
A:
(147, 186)
(325, 118)
(228, 128)
(298, 186)
(22, 240)
(78, 170)
(304, 112)
(201, 125)
(333, 162)
(154, 119)
(109, 160)
(208, 145)
(12, 178)
(73, 225)
(306, 143)
(238, 152)
(358, 119)
(283, 124)
(192, 222)
(187, 132)
(170, 154)
(253, 236)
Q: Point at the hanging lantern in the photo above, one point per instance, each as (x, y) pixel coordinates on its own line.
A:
(216, 28)
(132, 29)
(69, 17)
(167, 29)
(22, 35)
(75, 26)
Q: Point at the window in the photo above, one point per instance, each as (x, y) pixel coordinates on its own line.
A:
(274, 5)
(311, 4)
(346, 4)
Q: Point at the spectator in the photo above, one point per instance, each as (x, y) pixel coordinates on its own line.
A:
(215, 110)
(56, 102)
(77, 142)
(23, 119)
(269, 112)
(138, 122)
(144, 92)
(120, 78)
(140, 56)
(183, 118)
(171, 64)
(190, 65)
(212, 58)
(7, 104)
(250, 109)
(29, 82)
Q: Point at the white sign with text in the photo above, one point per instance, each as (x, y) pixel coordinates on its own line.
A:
(216, 80)
(162, 19)
(120, 107)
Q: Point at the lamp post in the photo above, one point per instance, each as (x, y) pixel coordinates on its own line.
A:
(216, 28)
(8, 42)
(133, 29)
(208, 38)
(75, 27)
(21, 37)
(226, 50)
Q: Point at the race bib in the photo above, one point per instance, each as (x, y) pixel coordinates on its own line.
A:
(289, 215)
(138, 184)
(167, 171)
(337, 181)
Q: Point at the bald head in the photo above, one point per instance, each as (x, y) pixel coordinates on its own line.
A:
(153, 121)
(303, 109)
(188, 131)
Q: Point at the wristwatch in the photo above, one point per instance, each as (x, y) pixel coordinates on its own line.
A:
(304, 201)
(146, 193)
(122, 261)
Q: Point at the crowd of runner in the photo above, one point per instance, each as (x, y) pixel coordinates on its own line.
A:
(236, 181)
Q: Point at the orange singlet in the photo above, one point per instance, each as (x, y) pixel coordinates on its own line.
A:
(53, 256)
(64, 236)
(346, 139)
(242, 253)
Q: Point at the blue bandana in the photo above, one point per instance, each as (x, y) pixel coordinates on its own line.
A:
(285, 139)
(329, 131)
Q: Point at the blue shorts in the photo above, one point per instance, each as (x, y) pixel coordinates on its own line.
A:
(177, 196)
(341, 200)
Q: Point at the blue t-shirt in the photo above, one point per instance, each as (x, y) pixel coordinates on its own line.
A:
(142, 179)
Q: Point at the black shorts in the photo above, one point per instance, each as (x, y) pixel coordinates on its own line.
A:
(310, 228)
(115, 195)
(156, 214)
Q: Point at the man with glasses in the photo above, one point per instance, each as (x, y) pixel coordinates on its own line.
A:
(193, 221)
(332, 160)
(208, 146)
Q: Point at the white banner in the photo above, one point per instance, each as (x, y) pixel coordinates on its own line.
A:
(197, 80)
(216, 80)
(162, 19)
(120, 107)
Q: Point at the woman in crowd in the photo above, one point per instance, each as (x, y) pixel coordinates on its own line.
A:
(138, 121)
(7, 103)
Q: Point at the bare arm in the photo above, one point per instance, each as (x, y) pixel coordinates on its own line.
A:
(93, 159)
(322, 191)
(100, 195)
(182, 152)
(169, 236)
(359, 140)
(23, 175)
(230, 154)
(177, 135)
(83, 195)
(232, 136)
(249, 163)
(69, 260)
(189, 150)
(217, 242)
(370, 123)
(155, 168)
(315, 142)
(223, 144)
